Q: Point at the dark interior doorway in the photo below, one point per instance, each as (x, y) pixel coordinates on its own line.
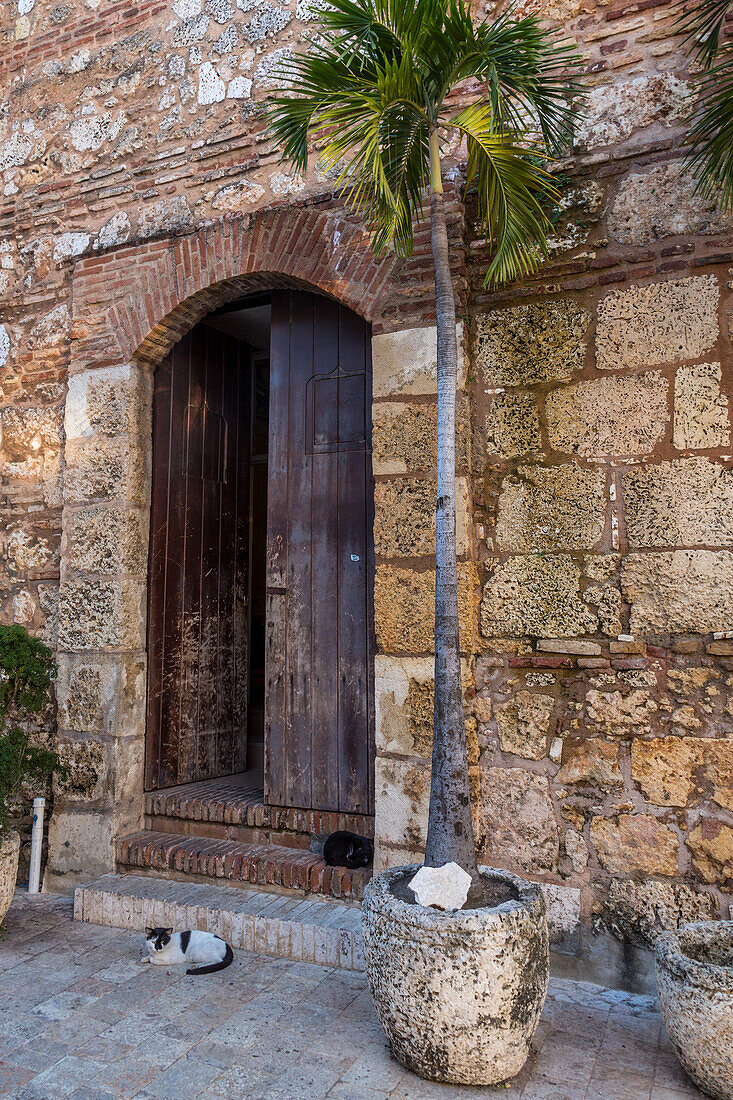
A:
(260, 635)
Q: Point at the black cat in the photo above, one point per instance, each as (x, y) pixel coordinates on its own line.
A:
(348, 850)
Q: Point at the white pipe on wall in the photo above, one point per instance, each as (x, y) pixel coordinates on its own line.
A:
(34, 875)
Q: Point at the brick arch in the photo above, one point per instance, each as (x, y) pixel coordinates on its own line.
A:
(172, 285)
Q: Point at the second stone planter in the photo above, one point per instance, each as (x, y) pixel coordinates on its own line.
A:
(695, 986)
(458, 994)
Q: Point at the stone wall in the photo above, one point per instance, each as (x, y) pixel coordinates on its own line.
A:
(597, 616)
(603, 671)
(140, 189)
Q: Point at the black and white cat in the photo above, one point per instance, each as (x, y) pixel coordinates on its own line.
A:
(345, 849)
(166, 948)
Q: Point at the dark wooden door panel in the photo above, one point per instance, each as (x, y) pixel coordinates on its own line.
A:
(319, 702)
(197, 612)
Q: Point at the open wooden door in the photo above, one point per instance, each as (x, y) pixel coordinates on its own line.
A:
(197, 609)
(319, 683)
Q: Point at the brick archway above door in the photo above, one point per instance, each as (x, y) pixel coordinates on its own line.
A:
(136, 302)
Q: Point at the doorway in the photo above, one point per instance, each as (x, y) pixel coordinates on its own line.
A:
(260, 626)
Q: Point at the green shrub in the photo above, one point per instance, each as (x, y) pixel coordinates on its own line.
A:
(26, 670)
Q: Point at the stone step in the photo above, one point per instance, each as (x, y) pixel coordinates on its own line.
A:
(315, 930)
(237, 802)
(238, 863)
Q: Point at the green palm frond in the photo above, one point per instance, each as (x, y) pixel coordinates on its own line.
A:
(710, 139)
(711, 135)
(513, 191)
(700, 26)
(374, 87)
(526, 75)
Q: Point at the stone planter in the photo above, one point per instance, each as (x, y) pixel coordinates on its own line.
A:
(9, 851)
(458, 994)
(695, 985)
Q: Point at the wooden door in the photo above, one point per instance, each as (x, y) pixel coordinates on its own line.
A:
(319, 684)
(197, 607)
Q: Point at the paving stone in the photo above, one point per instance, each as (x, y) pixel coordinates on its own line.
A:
(64, 1077)
(183, 1078)
(618, 1082)
(91, 1093)
(275, 1029)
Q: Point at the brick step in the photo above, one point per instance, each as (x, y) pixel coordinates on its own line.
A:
(315, 930)
(238, 801)
(234, 862)
(213, 830)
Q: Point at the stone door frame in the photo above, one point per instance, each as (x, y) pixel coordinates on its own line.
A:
(130, 306)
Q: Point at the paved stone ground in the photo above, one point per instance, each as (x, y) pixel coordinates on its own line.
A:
(81, 1019)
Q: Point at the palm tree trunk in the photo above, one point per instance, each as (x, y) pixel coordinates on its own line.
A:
(450, 826)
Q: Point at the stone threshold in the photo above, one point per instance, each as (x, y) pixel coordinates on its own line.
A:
(314, 930)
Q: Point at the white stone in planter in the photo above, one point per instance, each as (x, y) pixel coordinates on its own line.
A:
(459, 994)
(445, 887)
(695, 986)
(9, 850)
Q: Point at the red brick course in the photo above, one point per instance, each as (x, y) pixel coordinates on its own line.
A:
(246, 864)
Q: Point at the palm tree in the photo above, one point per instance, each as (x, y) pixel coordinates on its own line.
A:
(373, 92)
(711, 135)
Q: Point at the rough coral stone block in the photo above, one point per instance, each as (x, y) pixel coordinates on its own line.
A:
(513, 425)
(535, 595)
(404, 697)
(663, 202)
(681, 503)
(525, 723)
(609, 416)
(551, 508)
(701, 411)
(686, 591)
(404, 517)
(405, 362)
(613, 111)
(517, 820)
(593, 763)
(404, 607)
(87, 778)
(405, 436)
(101, 615)
(401, 797)
(105, 468)
(634, 843)
(108, 540)
(526, 345)
(620, 714)
(711, 845)
(403, 690)
(660, 323)
(108, 401)
(673, 770)
(81, 693)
